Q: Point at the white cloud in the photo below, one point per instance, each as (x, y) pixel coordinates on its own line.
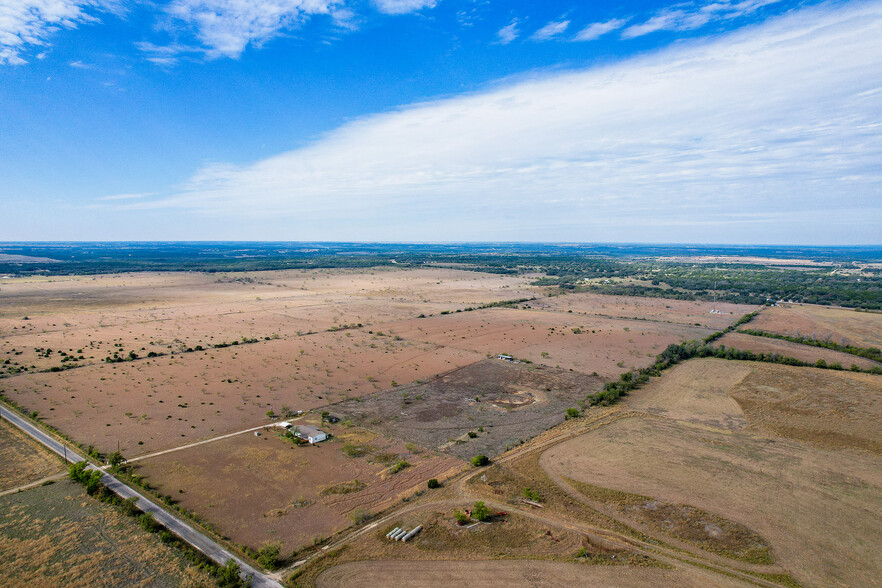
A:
(508, 33)
(770, 134)
(227, 27)
(598, 29)
(25, 23)
(691, 16)
(550, 30)
(403, 6)
(126, 196)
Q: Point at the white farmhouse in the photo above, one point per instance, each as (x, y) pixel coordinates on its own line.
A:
(310, 434)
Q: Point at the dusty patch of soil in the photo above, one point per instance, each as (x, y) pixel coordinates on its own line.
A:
(510, 402)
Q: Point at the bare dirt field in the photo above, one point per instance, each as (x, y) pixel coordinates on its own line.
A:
(23, 460)
(478, 409)
(819, 508)
(57, 536)
(516, 574)
(584, 343)
(805, 353)
(258, 489)
(685, 312)
(839, 325)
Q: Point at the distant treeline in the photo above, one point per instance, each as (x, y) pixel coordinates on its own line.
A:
(566, 267)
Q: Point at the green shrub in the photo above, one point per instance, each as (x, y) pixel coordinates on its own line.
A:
(398, 467)
(480, 460)
(531, 494)
(268, 554)
(480, 512)
(433, 483)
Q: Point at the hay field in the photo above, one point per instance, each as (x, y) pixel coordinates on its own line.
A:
(23, 460)
(602, 345)
(805, 353)
(57, 536)
(257, 489)
(790, 453)
(839, 325)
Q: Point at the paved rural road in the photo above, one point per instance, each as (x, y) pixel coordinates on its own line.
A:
(172, 523)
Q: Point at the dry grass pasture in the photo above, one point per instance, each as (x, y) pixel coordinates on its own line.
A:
(839, 325)
(584, 343)
(24, 461)
(258, 489)
(805, 353)
(478, 409)
(790, 453)
(515, 574)
(95, 316)
(684, 312)
(56, 535)
(165, 402)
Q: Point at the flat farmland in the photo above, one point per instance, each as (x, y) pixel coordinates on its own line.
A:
(583, 343)
(839, 325)
(805, 353)
(515, 574)
(258, 489)
(478, 409)
(685, 312)
(23, 460)
(825, 408)
(95, 317)
(162, 402)
(790, 453)
(820, 510)
(56, 535)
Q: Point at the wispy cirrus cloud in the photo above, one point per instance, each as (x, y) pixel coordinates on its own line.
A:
(114, 197)
(403, 6)
(552, 29)
(508, 33)
(598, 29)
(226, 27)
(767, 134)
(691, 16)
(31, 23)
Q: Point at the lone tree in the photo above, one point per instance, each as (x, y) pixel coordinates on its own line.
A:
(481, 512)
(480, 460)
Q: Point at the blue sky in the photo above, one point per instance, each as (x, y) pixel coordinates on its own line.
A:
(745, 121)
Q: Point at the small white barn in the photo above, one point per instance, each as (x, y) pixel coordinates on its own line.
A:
(310, 434)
